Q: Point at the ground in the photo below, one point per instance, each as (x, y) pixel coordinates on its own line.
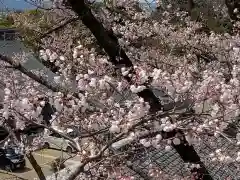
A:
(44, 158)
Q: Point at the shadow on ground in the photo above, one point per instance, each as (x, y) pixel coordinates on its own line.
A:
(26, 169)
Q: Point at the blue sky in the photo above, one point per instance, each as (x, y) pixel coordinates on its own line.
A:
(14, 4)
(22, 4)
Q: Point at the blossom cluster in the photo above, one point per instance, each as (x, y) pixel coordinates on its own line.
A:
(91, 94)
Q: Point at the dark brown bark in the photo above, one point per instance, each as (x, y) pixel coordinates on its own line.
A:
(108, 41)
(190, 6)
(111, 46)
(36, 167)
(189, 155)
(231, 5)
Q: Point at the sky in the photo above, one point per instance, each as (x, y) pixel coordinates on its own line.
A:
(14, 4)
(22, 4)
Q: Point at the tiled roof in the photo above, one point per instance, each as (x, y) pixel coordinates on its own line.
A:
(170, 163)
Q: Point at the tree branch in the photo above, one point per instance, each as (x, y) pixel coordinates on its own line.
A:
(109, 42)
(45, 82)
(58, 27)
(231, 6)
(29, 73)
(49, 128)
(29, 155)
(94, 133)
(35, 166)
(93, 158)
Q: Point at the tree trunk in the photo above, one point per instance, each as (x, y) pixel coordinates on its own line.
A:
(190, 6)
(36, 167)
(232, 5)
(109, 42)
(189, 155)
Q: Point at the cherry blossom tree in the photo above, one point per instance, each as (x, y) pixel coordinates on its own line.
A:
(111, 94)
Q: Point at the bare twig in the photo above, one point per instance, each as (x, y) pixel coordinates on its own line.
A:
(58, 27)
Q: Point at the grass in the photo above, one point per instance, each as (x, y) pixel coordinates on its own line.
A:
(3, 26)
(6, 22)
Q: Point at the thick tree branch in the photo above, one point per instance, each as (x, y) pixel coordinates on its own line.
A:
(45, 82)
(36, 167)
(232, 5)
(29, 73)
(105, 40)
(190, 6)
(109, 42)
